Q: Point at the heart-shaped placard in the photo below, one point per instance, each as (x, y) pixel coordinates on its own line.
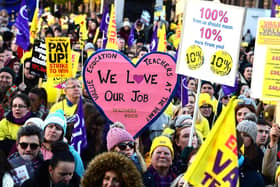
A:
(132, 94)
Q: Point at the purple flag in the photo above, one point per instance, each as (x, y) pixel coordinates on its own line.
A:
(228, 89)
(79, 136)
(154, 42)
(131, 37)
(184, 90)
(104, 25)
(275, 8)
(22, 36)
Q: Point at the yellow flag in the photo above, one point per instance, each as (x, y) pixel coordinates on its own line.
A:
(216, 162)
(178, 33)
(162, 39)
(112, 31)
(34, 26)
(81, 20)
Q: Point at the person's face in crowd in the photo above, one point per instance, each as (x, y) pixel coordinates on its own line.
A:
(225, 100)
(6, 80)
(35, 101)
(142, 53)
(248, 73)
(28, 147)
(73, 89)
(57, 33)
(19, 108)
(1, 60)
(206, 110)
(247, 141)
(53, 132)
(14, 46)
(121, 43)
(181, 182)
(63, 172)
(92, 25)
(192, 85)
(111, 179)
(126, 28)
(16, 67)
(207, 88)
(190, 105)
(27, 73)
(126, 148)
(7, 54)
(244, 89)
(99, 43)
(161, 158)
(240, 114)
(183, 139)
(262, 134)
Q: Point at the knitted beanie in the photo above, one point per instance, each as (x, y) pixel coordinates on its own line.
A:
(248, 127)
(180, 120)
(162, 141)
(117, 135)
(204, 99)
(10, 71)
(57, 118)
(34, 121)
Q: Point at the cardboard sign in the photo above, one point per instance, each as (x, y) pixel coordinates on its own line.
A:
(132, 94)
(38, 60)
(210, 42)
(266, 69)
(59, 60)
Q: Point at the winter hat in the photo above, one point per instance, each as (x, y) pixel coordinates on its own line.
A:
(34, 121)
(57, 118)
(162, 141)
(204, 99)
(180, 120)
(248, 127)
(89, 46)
(126, 23)
(10, 71)
(117, 135)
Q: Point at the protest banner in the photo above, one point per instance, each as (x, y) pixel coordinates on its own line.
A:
(38, 60)
(132, 94)
(210, 41)
(266, 69)
(216, 162)
(59, 60)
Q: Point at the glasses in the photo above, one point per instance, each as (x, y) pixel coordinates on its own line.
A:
(206, 106)
(74, 86)
(18, 106)
(122, 146)
(32, 146)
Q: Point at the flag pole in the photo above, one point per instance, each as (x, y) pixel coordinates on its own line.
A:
(195, 113)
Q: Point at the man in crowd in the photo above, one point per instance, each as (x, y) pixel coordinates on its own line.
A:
(29, 140)
(262, 134)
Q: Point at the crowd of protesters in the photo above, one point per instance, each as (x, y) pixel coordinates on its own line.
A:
(36, 134)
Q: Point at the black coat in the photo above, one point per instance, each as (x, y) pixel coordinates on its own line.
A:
(41, 179)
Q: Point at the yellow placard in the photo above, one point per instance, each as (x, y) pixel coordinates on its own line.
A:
(268, 32)
(271, 84)
(59, 62)
(75, 62)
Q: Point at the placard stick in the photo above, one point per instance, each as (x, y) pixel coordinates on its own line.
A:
(195, 113)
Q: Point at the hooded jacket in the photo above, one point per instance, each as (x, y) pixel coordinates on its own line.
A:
(108, 161)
